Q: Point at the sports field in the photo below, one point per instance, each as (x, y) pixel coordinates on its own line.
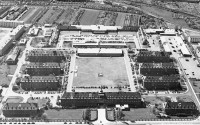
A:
(98, 71)
(89, 17)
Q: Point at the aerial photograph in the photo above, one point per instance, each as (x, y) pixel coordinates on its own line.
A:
(100, 62)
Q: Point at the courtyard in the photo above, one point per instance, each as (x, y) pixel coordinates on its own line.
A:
(109, 72)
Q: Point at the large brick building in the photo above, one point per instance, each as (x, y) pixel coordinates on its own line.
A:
(44, 69)
(162, 83)
(20, 109)
(95, 99)
(158, 69)
(181, 109)
(40, 83)
(46, 56)
(153, 56)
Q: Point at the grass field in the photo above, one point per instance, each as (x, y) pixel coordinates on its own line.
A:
(89, 17)
(65, 114)
(113, 70)
(120, 19)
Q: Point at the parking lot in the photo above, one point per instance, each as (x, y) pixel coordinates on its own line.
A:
(190, 67)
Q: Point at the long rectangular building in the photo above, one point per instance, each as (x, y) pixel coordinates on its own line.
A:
(162, 83)
(40, 83)
(44, 69)
(181, 109)
(153, 56)
(95, 99)
(158, 69)
(46, 56)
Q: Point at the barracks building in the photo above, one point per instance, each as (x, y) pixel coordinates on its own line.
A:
(44, 69)
(181, 109)
(95, 99)
(40, 83)
(20, 109)
(153, 56)
(158, 69)
(162, 83)
(46, 56)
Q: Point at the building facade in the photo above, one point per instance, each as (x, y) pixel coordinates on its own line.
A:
(40, 83)
(95, 99)
(20, 109)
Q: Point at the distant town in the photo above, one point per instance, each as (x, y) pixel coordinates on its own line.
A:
(100, 62)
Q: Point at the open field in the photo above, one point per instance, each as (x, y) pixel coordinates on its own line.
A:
(113, 71)
(141, 113)
(65, 114)
(5, 71)
(40, 102)
(120, 19)
(89, 17)
(166, 15)
(156, 100)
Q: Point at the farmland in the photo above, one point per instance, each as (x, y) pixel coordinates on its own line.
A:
(27, 14)
(89, 17)
(120, 19)
(36, 15)
(51, 16)
(66, 16)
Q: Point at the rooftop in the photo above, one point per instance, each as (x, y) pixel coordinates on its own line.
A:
(20, 106)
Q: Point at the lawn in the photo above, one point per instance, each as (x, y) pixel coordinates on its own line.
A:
(89, 17)
(113, 72)
(184, 98)
(65, 114)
